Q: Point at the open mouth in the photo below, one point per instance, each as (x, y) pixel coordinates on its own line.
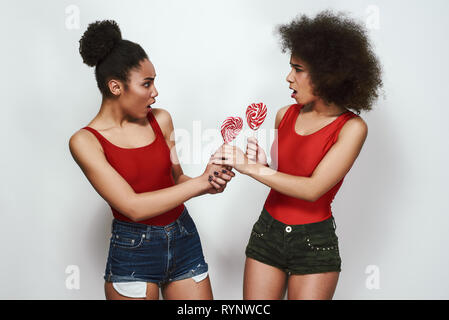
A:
(294, 93)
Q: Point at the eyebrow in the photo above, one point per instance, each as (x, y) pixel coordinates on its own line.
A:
(149, 78)
(296, 65)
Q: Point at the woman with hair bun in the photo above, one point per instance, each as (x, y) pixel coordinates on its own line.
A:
(293, 244)
(128, 154)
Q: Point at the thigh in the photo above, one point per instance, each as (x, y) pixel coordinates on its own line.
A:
(188, 289)
(112, 294)
(317, 286)
(262, 281)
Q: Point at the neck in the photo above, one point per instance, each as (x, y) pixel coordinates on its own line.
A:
(321, 109)
(112, 114)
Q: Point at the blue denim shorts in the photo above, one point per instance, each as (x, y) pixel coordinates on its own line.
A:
(158, 254)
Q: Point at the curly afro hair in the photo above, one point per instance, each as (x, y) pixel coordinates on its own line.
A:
(342, 65)
(102, 46)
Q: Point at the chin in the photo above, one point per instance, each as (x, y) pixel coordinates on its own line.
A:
(305, 101)
(298, 101)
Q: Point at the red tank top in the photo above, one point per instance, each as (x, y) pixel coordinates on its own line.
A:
(299, 155)
(147, 168)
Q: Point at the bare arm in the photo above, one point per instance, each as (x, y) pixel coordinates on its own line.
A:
(332, 168)
(166, 124)
(219, 181)
(111, 186)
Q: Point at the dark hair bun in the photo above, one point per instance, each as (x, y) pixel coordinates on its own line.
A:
(98, 40)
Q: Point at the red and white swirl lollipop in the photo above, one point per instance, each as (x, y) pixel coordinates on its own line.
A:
(255, 115)
(230, 128)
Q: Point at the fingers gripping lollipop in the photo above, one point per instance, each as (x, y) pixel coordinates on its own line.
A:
(230, 128)
(255, 116)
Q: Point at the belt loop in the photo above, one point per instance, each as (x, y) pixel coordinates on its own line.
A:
(180, 226)
(333, 222)
(270, 222)
(268, 218)
(147, 232)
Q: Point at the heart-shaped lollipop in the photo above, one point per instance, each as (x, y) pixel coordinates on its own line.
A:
(255, 115)
(230, 128)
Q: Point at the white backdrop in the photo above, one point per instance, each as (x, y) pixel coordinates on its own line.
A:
(212, 59)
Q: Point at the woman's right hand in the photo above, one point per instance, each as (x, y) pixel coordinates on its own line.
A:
(254, 152)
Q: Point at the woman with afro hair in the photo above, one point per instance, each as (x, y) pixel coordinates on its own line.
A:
(293, 245)
(128, 154)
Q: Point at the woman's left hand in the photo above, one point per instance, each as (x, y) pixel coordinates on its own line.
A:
(233, 156)
(220, 178)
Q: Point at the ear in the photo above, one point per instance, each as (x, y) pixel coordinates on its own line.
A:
(115, 87)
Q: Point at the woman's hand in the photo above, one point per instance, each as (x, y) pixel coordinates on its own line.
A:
(218, 176)
(254, 152)
(232, 156)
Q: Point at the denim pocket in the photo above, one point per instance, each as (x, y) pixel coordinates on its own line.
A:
(127, 239)
(322, 241)
(259, 228)
(188, 227)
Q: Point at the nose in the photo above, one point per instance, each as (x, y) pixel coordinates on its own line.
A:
(154, 93)
(290, 76)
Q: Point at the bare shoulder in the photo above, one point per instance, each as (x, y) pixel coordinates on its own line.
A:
(161, 115)
(164, 120)
(355, 126)
(83, 141)
(280, 114)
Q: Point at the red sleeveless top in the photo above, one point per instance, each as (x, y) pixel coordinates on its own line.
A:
(299, 155)
(147, 168)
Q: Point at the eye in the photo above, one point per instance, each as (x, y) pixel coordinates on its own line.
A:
(147, 84)
(298, 70)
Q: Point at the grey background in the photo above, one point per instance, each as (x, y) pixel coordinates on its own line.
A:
(213, 58)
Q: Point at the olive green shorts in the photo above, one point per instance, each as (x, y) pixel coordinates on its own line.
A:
(295, 249)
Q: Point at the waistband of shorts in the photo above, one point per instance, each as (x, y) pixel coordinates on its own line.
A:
(267, 218)
(119, 225)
